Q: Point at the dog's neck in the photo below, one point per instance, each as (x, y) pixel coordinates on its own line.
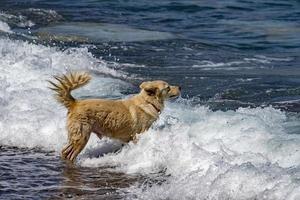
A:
(154, 106)
(157, 104)
(150, 105)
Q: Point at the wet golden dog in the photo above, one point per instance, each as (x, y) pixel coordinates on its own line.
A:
(118, 119)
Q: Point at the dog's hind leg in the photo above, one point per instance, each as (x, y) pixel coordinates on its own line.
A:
(78, 136)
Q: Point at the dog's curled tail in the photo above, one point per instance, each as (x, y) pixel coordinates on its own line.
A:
(66, 83)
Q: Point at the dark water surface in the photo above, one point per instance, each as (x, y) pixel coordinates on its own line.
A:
(31, 173)
(224, 54)
(217, 45)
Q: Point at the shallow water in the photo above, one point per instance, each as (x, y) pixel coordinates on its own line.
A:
(31, 173)
(233, 134)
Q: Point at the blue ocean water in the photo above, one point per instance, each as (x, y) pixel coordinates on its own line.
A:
(225, 41)
(237, 120)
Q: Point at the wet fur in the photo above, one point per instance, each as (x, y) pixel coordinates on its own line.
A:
(118, 119)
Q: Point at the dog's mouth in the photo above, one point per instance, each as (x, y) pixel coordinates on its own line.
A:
(173, 96)
(174, 92)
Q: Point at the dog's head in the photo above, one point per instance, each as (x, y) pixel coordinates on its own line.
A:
(159, 90)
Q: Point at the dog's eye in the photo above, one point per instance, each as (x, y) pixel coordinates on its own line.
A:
(168, 88)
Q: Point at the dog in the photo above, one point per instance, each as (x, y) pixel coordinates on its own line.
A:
(117, 119)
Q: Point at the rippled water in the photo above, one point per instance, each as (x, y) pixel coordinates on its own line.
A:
(37, 174)
(234, 133)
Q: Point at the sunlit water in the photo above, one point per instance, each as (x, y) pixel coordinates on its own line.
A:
(233, 134)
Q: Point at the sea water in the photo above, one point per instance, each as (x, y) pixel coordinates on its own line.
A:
(233, 133)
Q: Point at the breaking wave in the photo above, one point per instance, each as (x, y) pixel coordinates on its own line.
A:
(4, 27)
(191, 152)
(242, 154)
(30, 117)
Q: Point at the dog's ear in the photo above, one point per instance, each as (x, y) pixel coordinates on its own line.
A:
(149, 88)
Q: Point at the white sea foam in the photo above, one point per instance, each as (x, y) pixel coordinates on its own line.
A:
(4, 27)
(29, 115)
(17, 20)
(274, 59)
(245, 63)
(242, 154)
(209, 65)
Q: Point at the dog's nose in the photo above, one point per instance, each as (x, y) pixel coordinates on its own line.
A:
(179, 88)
